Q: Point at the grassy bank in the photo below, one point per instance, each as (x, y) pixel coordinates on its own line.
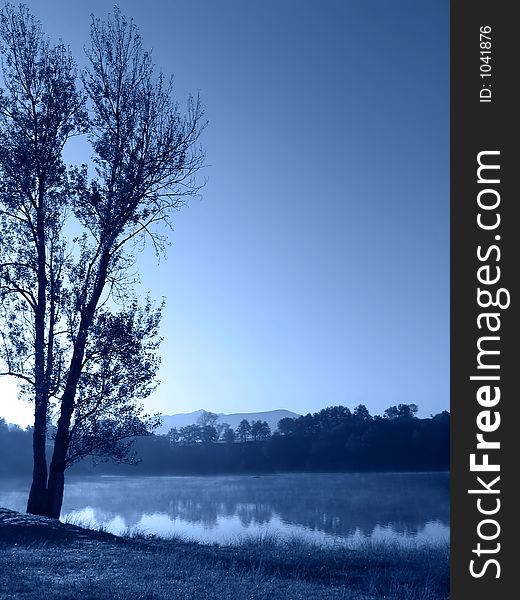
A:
(42, 559)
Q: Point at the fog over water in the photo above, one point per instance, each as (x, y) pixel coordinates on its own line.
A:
(324, 508)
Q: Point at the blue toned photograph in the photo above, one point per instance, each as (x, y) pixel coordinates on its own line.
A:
(224, 287)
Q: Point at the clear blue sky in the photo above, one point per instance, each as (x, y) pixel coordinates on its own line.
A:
(315, 269)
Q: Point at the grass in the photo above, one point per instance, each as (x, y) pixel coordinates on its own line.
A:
(78, 563)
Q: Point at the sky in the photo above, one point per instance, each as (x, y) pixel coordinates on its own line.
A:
(314, 269)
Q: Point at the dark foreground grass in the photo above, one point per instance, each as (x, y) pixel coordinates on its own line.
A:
(62, 561)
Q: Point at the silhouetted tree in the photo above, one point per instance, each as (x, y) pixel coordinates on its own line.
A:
(229, 435)
(59, 335)
(173, 436)
(39, 110)
(190, 434)
(286, 426)
(332, 416)
(243, 430)
(208, 434)
(361, 412)
(207, 418)
(402, 411)
(260, 430)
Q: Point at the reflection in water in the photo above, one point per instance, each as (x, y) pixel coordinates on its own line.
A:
(321, 507)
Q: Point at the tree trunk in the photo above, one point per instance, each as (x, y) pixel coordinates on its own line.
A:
(61, 442)
(36, 501)
(54, 494)
(36, 505)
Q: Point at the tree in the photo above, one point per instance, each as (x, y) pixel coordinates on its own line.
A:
(207, 418)
(362, 413)
(173, 436)
(332, 416)
(208, 434)
(190, 434)
(260, 430)
(286, 426)
(221, 428)
(229, 435)
(401, 411)
(70, 329)
(243, 430)
(39, 110)
(264, 431)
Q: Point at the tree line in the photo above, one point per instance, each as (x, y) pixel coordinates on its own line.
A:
(332, 439)
(207, 430)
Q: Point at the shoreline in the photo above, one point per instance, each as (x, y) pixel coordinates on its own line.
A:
(44, 559)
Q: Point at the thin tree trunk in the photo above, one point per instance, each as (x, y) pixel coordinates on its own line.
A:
(54, 496)
(36, 504)
(61, 442)
(37, 495)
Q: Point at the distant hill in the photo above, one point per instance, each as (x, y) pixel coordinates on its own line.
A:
(182, 419)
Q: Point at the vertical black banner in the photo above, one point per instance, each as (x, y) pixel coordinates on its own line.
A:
(485, 252)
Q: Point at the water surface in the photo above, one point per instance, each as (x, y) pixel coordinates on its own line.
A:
(324, 508)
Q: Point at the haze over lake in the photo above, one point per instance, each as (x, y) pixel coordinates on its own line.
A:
(324, 508)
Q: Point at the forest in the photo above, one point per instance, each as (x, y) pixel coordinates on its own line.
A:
(335, 439)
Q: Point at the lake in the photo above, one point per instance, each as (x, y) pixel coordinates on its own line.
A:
(321, 507)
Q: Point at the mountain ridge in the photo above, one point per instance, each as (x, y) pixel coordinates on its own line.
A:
(232, 419)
